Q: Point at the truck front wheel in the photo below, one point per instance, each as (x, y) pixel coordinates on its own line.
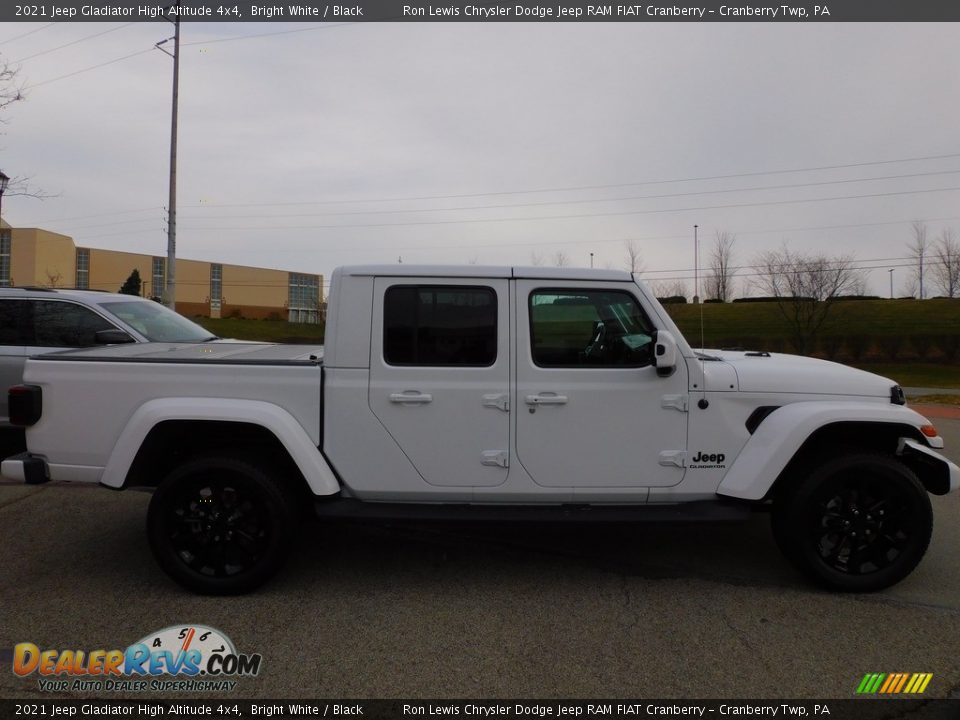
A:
(857, 523)
(220, 525)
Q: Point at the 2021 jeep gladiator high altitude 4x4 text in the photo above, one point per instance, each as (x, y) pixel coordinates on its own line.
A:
(486, 392)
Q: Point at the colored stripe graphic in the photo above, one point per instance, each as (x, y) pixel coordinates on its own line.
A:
(891, 681)
(894, 683)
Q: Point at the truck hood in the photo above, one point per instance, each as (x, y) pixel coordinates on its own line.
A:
(775, 372)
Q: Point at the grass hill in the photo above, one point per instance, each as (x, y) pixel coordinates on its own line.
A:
(855, 329)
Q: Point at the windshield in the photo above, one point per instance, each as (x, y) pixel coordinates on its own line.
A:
(157, 323)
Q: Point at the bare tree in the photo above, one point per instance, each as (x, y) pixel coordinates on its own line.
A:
(632, 256)
(11, 91)
(919, 249)
(858, 285)
(718, 281)
(53, 278)
(536, 259)
(946, 266)
(560, 259)
(806, 288)
(669, 288)
(911, 287)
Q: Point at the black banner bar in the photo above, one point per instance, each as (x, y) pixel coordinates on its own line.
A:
(481, 11)
(225, 707)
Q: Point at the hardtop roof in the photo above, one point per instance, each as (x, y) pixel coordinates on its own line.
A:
(484, 271)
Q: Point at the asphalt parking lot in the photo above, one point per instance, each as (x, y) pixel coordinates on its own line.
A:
(374, 611)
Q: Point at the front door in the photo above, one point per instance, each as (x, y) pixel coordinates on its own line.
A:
(439, 376)
(590, 405)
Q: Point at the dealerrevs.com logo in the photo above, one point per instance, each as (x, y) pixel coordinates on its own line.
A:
(179, 658)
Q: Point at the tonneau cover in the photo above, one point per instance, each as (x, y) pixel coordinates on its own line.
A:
(215, 352)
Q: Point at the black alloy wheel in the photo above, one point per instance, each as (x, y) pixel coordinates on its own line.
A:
(857, 523)
(862, 524)
(220, 525)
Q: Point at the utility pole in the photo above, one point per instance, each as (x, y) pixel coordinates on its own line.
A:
(921, 276)
(591, 261)
(891, 283)
(170, 292)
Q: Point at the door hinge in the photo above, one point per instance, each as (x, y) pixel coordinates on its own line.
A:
(677, 458)
(495, 458)
(501, 401)
(677, 402)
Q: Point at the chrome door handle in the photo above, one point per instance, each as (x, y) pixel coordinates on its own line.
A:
(411, 397)
(546, 399)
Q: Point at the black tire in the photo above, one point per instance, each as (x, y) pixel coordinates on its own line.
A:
(220, 525)
(857, 523)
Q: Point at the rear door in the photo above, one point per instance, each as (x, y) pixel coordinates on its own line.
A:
(592, 412)
(439, 376)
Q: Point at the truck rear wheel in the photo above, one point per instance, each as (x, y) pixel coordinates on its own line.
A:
(858, 523)
(220, 525)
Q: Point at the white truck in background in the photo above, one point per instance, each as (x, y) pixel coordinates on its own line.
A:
(479, 392)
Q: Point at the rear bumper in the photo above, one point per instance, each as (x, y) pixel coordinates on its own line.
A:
(25, 468)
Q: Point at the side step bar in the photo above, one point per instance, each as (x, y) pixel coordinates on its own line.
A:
(699, 511)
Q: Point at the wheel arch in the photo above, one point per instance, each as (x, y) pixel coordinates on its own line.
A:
(166, 432)
(845, 438)
(797, 435)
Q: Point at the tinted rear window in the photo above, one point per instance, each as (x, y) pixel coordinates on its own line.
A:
(440, 326)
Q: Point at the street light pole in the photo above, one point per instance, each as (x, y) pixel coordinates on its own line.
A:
(891, 283)
(696, 267)
(591, 261)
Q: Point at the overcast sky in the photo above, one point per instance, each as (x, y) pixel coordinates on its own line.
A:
(489, 143)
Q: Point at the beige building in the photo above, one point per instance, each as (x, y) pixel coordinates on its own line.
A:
(35, 257)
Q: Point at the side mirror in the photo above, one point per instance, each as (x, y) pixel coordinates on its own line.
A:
(664, 352)
(112, 337)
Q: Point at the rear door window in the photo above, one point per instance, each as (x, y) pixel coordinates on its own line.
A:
(440, 326)
(66, 325)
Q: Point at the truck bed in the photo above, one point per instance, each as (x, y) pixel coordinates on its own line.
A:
(127, 388)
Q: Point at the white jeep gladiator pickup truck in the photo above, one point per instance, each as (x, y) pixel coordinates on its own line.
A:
(475, 392)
